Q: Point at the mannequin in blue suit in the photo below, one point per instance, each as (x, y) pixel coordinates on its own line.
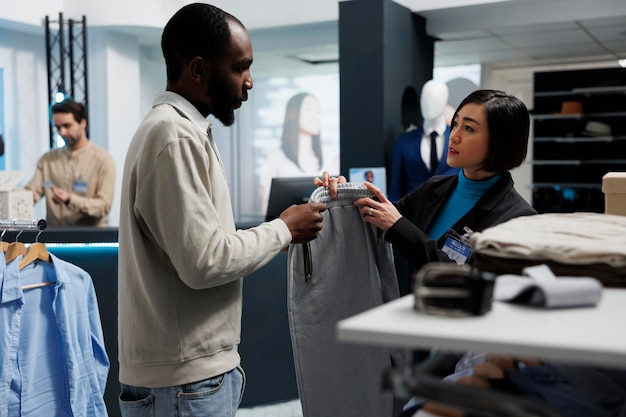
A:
(411, 154)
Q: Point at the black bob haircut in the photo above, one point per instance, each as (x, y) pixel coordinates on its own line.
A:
(509, 126)
(197, 29)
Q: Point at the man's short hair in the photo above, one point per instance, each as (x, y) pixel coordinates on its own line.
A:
(197, 29)
(70, 106)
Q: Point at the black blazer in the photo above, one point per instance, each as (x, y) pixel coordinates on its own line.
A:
(419, 208)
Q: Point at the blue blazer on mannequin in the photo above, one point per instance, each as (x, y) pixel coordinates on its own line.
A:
(408, 170)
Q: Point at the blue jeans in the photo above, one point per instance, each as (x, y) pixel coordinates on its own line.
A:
(219, 396)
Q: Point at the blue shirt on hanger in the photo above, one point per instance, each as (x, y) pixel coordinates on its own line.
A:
(52, 346)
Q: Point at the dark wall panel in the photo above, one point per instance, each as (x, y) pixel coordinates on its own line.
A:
(383, 50)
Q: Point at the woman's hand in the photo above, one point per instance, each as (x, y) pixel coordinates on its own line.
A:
(378, 210)
(330, 182)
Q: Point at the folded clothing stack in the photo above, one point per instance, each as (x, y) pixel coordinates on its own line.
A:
(570, 244)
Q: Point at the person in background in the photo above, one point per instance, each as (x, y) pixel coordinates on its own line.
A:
(300, 152)
(421, 153)
(181, 258)
(488, 138)
(78, 180)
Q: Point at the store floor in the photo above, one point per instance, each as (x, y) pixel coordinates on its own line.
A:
(286, 409)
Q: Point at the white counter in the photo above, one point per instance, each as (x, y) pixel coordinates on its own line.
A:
(591, 335)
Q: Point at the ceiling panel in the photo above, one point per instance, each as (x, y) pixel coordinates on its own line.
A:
(479, 56)
(506, 34)
(615, 33)
(587, 50)
(472, 46)
(536, 28)
(476, 34)
(610, 20)
(552, 38)
(574, 31)
(503, 34)
(617, 47)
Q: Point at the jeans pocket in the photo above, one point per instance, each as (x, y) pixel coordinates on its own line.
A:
(130, 406)
(243, 382)
(218, 396)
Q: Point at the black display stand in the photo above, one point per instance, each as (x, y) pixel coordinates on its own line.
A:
(579, 136)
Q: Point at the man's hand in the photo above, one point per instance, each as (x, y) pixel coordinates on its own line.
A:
(304, 221)
(60, 196)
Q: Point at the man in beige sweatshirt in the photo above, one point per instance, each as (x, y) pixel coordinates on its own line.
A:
(180, 258)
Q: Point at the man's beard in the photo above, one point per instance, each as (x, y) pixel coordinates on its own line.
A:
(223, 103)
(224, 114)
(70, 142)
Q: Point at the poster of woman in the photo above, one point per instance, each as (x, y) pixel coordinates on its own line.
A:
(306, 142)
(300, 151)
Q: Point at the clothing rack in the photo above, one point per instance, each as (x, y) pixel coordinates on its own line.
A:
(34, 224)
(39, 250)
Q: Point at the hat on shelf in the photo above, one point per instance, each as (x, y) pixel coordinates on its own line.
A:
(571, 107)
(595, 128)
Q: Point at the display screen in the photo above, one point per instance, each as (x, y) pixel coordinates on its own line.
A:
(286, 191)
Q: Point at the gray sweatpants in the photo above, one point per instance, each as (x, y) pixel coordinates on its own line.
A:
(351, 271)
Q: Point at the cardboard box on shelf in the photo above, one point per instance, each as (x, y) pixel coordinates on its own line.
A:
(14, 204)
(614, 189)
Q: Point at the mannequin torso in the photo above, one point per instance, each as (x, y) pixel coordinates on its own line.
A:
(411, 159)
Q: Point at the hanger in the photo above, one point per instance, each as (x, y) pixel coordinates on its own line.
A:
(36, 251)
(38, 285)
(5, 244)
(15, 249)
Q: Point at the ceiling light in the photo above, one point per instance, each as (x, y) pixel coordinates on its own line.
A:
(622, 63)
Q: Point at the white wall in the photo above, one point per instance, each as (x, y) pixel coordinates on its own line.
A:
(22, 58)
(152, 78)
(26, 135)
(115, 97)
(29, 12)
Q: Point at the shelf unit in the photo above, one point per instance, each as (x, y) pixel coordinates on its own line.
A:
(573, 151)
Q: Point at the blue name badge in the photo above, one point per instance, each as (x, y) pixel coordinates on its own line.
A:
(80, 187)
(457, 250)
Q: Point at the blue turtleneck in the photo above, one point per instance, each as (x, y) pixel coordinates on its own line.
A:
(463, 198)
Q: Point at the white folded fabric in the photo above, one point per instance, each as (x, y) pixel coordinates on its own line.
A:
(568, 238)
(539, 287)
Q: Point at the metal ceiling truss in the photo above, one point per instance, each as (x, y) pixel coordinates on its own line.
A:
(66, 55)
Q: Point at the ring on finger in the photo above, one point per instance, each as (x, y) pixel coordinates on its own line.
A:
(370, 211)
